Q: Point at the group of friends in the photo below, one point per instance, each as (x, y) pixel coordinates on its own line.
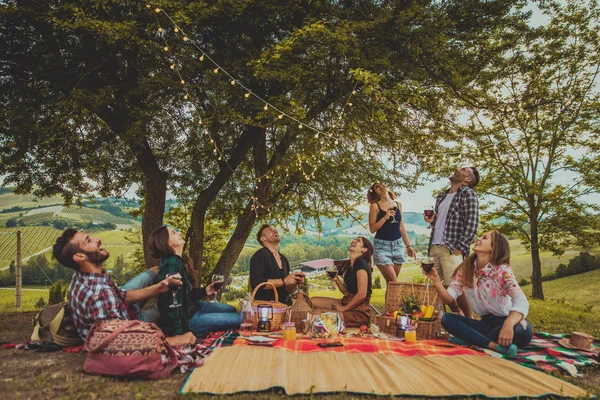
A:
(480, 282)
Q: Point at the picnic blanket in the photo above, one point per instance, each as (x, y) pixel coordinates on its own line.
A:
(544, 353)
(192, 356)
(373, 345)
(242, 368)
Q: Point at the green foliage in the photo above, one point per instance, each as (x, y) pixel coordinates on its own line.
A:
(11, 223)
(12, 267)
(539, 110)
(377, 282)
(41, 303)
(58, 292)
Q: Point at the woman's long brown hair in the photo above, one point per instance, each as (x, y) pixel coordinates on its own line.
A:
(158, 244)
(373, 197)
(500, 255)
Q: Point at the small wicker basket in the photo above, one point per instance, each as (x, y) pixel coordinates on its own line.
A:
(279, 309)
(298, 312)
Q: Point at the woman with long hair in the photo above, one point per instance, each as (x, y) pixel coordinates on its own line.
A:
(199, 317)
(354, 308)
(391, 241)
(488, 282)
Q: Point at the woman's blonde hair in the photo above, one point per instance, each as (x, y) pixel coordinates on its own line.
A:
(500, 255)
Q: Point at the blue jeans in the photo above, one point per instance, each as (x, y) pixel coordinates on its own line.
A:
(141, 281)
(482, 333)
(213, 317)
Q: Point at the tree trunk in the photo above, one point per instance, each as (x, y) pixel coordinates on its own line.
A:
(536, 277)
(154, 210)
(236, 243)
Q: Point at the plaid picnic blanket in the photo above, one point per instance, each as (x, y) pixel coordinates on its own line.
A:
(192, 356)
(373, 345)
(544, 353)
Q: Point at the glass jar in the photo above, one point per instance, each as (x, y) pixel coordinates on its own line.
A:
(410, 334)
(289, 331)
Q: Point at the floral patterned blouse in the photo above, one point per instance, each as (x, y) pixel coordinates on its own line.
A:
(495, 291)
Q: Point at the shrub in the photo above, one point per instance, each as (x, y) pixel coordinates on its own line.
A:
(377, 282)
(523, 282)
(11, 223)
(41, 303)
(58, 291)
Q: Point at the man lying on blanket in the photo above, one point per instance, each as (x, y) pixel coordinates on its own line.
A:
(94, 296)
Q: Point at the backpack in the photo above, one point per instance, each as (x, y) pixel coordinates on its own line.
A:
(55, 324)
(128, 348)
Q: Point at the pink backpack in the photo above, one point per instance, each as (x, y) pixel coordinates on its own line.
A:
(128, 348)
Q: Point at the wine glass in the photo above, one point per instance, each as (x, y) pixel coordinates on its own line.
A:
(394, 221)
(217, 281)
(428, 211)
(174, 288)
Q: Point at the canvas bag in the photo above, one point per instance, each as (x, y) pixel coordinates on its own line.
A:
(128, 348)
(55, 324)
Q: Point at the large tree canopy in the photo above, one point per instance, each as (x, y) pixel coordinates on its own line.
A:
(97, 99)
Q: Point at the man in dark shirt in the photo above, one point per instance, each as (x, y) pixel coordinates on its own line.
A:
(268, 265)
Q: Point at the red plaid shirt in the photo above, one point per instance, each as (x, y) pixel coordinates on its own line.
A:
(95, 297)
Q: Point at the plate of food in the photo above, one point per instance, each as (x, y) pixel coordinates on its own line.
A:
(260, 339)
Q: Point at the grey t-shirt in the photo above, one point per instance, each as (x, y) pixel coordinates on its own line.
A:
(440, 220)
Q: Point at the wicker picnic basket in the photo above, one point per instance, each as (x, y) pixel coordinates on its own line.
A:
(386, 324)
(279, 309)
(396, 291)
(298, 311)
(428, 329)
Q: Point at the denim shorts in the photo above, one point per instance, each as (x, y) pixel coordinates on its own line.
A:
(388, 252)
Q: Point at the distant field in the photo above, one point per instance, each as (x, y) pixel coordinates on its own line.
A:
(85, 214)
(28, 299)
(35, 238)
(9, 200)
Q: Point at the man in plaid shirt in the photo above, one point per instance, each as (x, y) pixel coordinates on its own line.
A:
(93, 294)
(454, 226)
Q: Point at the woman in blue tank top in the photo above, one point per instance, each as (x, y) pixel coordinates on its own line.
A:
(391, 242)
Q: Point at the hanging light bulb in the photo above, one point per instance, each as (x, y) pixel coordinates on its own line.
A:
(266, 107)
(185, 38)
(354, 92)
(185, 97)
(201, 58)
(233, 82)
(182, 82)
(176, 30)
(157, 10)
(159, 30)
(216, 70)
(165, 48)
(246, 95)
(300, 126)
(172, 66)
(280, 116)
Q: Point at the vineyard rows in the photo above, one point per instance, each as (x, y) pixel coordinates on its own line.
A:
(85, 214)
(37, 218)
(35, 238)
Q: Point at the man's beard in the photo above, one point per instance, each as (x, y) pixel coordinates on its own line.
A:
(97, 257)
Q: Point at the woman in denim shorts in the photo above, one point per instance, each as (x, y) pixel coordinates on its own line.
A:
(391, 241)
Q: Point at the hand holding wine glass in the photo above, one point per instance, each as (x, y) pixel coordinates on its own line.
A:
(429, 215)
(217, 283)
(392, 214)
(174, 286)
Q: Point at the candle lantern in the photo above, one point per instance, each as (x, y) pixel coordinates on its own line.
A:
(265, 315)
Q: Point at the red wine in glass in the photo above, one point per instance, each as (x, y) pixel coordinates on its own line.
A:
(393, 221)
(427, 265)
(332, 273)
(174, 288)
(428, 213)
(217, 280)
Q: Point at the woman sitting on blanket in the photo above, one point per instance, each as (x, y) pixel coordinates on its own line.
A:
(199, 317)
(489, 284)
(354, 308)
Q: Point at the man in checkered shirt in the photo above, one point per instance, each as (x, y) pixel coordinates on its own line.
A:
(93, 294)
(454, 227)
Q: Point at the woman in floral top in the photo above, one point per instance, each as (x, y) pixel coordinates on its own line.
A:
(489, 285)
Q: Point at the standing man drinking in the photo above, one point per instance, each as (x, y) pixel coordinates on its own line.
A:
(454, 226)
